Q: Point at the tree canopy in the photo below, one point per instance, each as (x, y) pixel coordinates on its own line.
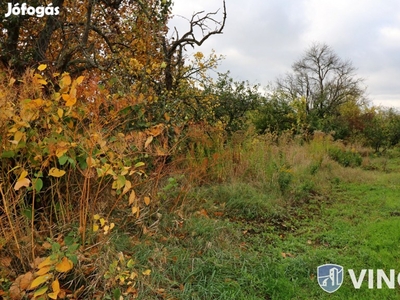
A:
(125, 39)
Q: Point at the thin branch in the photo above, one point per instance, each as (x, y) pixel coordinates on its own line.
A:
(189, 37)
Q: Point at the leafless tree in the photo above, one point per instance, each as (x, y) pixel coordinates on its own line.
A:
(323, 79)
(207, 24)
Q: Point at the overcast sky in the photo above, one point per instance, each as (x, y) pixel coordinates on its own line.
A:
(263, 38)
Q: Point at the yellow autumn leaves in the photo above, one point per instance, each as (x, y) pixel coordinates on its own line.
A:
(67, 85)
(43, 275)
(56, 172)
(56, 289)
(123, 272)
(102, 223)
(39, 281)
(68, 88)
(133, 202)
(23, 181)
(30, 110)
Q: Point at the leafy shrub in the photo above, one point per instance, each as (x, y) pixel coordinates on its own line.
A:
(66, 154)
(285, 177)
(345, 157)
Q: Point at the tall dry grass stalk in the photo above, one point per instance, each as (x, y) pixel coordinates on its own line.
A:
(284, 165)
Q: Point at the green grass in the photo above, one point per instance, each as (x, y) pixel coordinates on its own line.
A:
(254, 228)
(240, 241)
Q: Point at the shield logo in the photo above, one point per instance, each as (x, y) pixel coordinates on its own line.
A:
(330, 277)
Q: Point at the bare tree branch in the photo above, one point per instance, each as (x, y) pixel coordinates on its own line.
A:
(173, 50)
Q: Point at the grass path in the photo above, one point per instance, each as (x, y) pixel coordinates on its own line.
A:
(360, 229)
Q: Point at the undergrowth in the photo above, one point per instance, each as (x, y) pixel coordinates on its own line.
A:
(90, 211)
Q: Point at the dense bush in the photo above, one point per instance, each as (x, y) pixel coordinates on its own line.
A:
(66, 157)
(346, 158)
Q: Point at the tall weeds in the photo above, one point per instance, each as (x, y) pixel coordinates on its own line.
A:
(66, 156)
(285, 166)
(69, 160)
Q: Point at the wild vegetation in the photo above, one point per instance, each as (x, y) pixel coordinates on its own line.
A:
(127, 172)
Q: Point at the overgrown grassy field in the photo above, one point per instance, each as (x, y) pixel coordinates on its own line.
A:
(251, 221)
(272, 215)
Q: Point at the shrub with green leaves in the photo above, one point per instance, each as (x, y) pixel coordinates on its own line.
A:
(345, 157)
